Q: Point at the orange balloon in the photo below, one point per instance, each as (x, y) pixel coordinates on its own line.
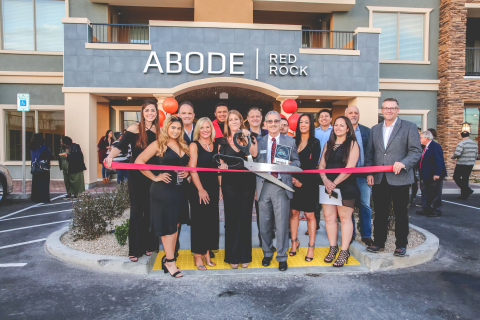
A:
(290, 134)
(170, 105)
(161, 117)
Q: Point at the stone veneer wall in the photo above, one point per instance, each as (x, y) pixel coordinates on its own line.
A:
(454, 90)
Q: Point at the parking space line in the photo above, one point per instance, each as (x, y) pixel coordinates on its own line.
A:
(38, 225)
(463, 205)
(35, 215)
(25, 209)
(22, 243)
(54, 204)
(9, 265)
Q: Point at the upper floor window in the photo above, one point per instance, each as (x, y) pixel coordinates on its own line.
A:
(33, 24)
(405, 34)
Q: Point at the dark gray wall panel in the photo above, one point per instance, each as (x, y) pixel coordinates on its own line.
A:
(43, 94)
(28, 62)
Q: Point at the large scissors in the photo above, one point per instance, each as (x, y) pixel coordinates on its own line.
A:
(237, 163)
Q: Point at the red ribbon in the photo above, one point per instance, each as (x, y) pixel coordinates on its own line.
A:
(133, 166)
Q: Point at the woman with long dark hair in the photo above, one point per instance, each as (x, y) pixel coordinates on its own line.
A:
(103, 147)
(139, 136)
(238, 191)
(305, 197)
(72, 164)
(41, 156)
(341, 151)
(167, 195)
(205, 224)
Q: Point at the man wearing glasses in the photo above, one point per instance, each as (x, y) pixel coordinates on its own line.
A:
(392, 142)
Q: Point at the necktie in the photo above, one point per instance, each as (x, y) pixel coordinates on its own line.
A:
(421, 159)
(272, 156)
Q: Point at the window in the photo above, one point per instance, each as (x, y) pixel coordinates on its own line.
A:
(471, 116)
(33, 24)
(50, 123)
(129, 118)
(405, 33)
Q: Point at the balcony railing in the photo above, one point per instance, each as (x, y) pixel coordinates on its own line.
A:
(119, 33)
(472, 62)
(326, 39)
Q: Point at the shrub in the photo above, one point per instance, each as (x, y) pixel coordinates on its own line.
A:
(121, 233)
(93, 212)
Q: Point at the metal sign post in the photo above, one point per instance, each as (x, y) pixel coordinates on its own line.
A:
(23, 105)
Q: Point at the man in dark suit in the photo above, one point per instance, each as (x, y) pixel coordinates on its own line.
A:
(392, 142)
(274, 200)
(362, 134)
(432, 172)
(187, 114)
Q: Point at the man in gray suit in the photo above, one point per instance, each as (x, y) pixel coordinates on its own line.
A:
(273, 200)
(392, 142)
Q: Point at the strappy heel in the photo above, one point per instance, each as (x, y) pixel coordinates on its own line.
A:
(291, 254)
(342, 258)
(245, 265)
(234, 265)
(210, 264)
(201, 267)
(307, 258)
(331, 254)
(165, 269)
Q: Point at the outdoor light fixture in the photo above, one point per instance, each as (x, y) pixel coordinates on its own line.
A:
(318, 100)
(223, 95)
(465, 126)
(129, 98)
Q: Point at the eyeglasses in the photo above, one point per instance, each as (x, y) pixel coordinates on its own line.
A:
(390, 109)
(272, 121)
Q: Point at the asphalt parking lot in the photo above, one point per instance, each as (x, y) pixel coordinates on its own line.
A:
(35, 285)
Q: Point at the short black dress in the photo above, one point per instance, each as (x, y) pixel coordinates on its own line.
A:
(205, 222)
(348, 187)
(238, 190)
(305, 198)
(168, 200)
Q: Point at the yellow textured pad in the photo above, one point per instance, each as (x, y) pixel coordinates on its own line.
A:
(185, 259)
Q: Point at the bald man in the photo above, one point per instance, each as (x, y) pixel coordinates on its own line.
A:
(362, 134)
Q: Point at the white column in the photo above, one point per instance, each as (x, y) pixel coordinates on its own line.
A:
(368, 107)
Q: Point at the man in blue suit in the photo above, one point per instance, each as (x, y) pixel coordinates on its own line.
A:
(432, 172)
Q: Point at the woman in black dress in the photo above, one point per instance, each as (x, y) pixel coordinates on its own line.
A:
(167, 196)
(139, 136)
(238, 191)
(305, 197)
(205, 223)
(40, 153)
(341, 151)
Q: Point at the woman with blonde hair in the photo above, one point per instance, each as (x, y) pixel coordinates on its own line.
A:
(167, 198)
(238, 191)
(205, 223)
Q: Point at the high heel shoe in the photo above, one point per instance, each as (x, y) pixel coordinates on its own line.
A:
(201, 267)
(331, 254)
(234, 265)
(291, 254)
(307, 258)
(210, 264)
(342, 258)
(165, 269)
(245, 265)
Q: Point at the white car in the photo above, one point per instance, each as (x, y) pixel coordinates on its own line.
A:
(6, 182)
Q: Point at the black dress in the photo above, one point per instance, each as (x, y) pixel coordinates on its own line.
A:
(238, 194)
(168, 200)
(348, 187)
(305, 198)
(205, 223)
(140, 240)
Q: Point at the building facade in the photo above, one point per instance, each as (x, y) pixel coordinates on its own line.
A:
(93, 74)
(459, 74)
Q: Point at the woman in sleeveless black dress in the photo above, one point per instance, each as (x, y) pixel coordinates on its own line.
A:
(140, 240)
(167, 196)
(341, 151)
(238, 191)
(305, 197)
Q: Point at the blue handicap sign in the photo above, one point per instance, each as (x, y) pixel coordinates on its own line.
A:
(23, 103)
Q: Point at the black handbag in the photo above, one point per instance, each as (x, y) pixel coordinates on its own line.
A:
(40, 166)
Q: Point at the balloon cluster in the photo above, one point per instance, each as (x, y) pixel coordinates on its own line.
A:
(170, 105)
(290, 106)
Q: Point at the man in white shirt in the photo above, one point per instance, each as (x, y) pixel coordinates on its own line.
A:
(273, 200)
(187, 114)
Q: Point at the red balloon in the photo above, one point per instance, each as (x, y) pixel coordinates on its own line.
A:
(170, 105)
(292, 121)
(283, 116)
(161, 117)
(290, 134)
(289, 106)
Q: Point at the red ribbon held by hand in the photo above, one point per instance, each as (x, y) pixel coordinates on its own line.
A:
(133, 166)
